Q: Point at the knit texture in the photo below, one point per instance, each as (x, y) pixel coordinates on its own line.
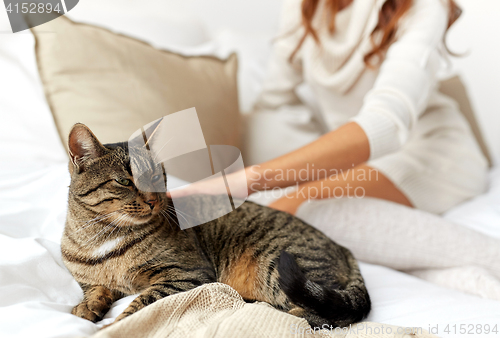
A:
(217, 310)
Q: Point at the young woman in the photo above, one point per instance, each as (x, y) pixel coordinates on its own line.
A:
(372, 65)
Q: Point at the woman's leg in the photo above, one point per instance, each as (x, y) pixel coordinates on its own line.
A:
(401, 238)
(361, 181)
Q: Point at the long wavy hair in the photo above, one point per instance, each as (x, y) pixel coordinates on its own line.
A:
(388, 18)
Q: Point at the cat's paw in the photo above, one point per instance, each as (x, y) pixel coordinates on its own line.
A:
(86, 311)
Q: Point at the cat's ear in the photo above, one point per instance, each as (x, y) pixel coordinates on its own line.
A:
(83, 146)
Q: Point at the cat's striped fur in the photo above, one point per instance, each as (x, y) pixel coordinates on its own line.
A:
(119, 241)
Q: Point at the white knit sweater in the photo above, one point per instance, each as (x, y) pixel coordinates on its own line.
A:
(387, 101)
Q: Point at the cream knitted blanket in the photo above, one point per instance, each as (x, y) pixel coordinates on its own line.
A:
(217, 310)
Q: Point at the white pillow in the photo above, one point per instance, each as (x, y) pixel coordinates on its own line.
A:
(28, 136)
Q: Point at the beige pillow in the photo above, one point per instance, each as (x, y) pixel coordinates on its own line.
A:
(116, 84)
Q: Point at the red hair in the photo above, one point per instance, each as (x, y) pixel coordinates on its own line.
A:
(388, 18)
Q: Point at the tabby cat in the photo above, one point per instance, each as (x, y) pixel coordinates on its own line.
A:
(119, 240)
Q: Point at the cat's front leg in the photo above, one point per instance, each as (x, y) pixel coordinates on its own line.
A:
(96, 302)
(157, 291)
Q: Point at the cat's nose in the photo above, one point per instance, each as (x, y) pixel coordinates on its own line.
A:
(152, 203)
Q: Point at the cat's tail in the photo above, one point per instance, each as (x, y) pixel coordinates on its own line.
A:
(336, 307)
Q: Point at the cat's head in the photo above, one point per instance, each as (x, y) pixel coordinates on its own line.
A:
(102, 181)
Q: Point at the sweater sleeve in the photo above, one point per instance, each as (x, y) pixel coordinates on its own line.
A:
(406, 79)
(283, 77)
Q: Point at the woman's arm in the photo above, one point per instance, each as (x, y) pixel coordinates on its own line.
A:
(407, 76)
(340, 149)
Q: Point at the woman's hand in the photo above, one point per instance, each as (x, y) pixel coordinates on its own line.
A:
(361, 181)
(288, 204)
(238, 183)
(341, 149)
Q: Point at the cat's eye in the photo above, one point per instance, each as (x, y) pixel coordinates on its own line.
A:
(155, 178)
(123, 181)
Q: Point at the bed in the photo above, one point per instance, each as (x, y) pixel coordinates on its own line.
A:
(37, 292)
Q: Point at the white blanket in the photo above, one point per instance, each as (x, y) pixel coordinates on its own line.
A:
(36, 290)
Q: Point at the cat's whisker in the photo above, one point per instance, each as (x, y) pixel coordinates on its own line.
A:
(96, 236)
(172, 215)
(102, 218)
(114, 228)
(99, 218)
(178, 213)
(94, 220)
(99, 215)
(121, 218)
(126, 222)
(163, 214)
(167, 217)
(92, 240)
(181, 213)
